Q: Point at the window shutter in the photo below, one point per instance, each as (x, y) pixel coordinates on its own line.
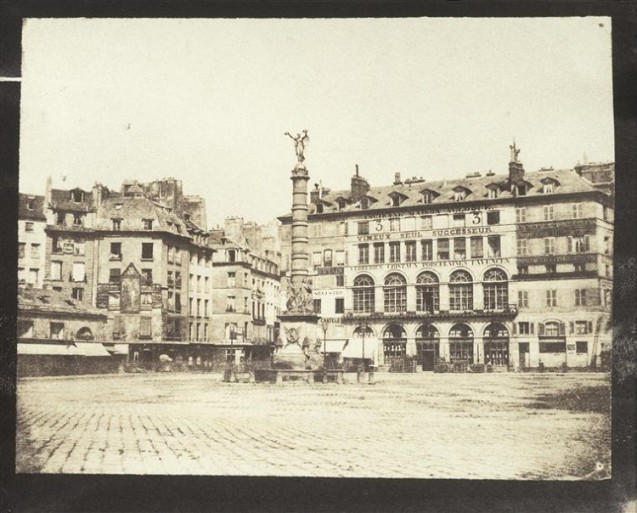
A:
(570, 244)
(587, 243)
(540, 328)
(590, 327)
(571, 326)
(532, 324)
(515, 328)
(562, 329)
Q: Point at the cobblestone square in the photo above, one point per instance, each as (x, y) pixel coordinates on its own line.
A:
(482, 426)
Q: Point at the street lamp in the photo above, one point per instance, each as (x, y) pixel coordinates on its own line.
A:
(324, 326)
(364, 327)
(233, 336)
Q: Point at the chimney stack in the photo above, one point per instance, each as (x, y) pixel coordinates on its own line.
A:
(516, 169)
(360, 186)
(397, 180)
(314, 195)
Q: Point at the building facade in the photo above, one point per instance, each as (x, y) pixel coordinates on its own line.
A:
(31, 240)
(510, 270)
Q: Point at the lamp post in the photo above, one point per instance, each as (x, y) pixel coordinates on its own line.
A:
(233, 336)
(324, 326)
(364, 327)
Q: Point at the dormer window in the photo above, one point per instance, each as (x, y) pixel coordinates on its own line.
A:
(460, 193)
(520, 189)
(428, 196)
(30, 203)
(549, 185)
(117, 224)
(492, 191)
(147, 224)
(364, 203)
(78, 220)
(77, 195)
(395, 201)
(319, 208)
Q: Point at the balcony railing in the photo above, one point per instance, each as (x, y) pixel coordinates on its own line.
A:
(508, 311)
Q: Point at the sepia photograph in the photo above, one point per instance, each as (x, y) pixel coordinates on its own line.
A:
(316, 248)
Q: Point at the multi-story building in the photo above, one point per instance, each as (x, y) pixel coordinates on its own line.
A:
(245, 279)
(511, 270)
(31, 240)
(129, 254)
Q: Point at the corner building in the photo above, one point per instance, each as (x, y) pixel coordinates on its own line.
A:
(511, 270)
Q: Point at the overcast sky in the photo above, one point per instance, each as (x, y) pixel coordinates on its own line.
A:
(208, 101)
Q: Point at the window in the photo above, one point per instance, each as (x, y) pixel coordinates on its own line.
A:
(443, 249)
(427, 292)
(520, 215)
(33, 276)
(57, 330)
(523, 269)
(232, 280)
(461, 343)
(428, 196)
(21, 274)
(340, 280)
(77, 196)
(493, 244)
(525, 327)
(363, 228)
(364, 203)
(496, 290)
(114, 275)
(21, 248)
(317, 306)
(427, 222)
(579, 244)
(79, 271)
(549, 246)
(56, 270)
(577, 210)
(492, 192)
(410, 251)
(60, 218)
(608, 247)
(579, 268)
(147, 250)
(230, 304)
(549, 213)
(144, 327)
(461, 291)
(580, 297)
(427, 249)
(79, 248)
(116, 251)
(459, 195)
(28, 226)
(379, 253)
(56, 244)
(363, 253)
(549, 187)
(550, 268)
(394, 252)
(581, 327)
(522, 247)
(78, 219)
(25, 329)
(147, 276)
(581, 347)
(394, 225)
(319, 208)
(551, 298)
(395, 293)
(232, 256)
(459, 248)
(552, 347)
(117, 224)
(521, 189)
(363, 294)
(458, 219)
(339, 305)
(339, 257)
(493, 217)
(477, 247)
(551, 329)
(316, 259)
(77, 293)
(523, 298)
(35, 251)
(327, 258)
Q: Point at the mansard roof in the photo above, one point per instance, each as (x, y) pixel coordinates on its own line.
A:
(36, 213)
(570, 183)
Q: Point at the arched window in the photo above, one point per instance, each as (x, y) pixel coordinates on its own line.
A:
(394, 342)
(461, 343)
(496, 344)
(395, 293)
(496, 290)
(427, 292)
(460, 291)
(428, 346)
(84, 333)
(363, 294)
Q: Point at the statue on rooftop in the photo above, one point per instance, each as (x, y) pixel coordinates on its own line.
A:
(514, 152)
(300, 143)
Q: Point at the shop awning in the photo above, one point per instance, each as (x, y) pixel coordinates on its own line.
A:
(92, 349)
(48, 349)
(332, 346)
(354, 348)
(116, 348)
